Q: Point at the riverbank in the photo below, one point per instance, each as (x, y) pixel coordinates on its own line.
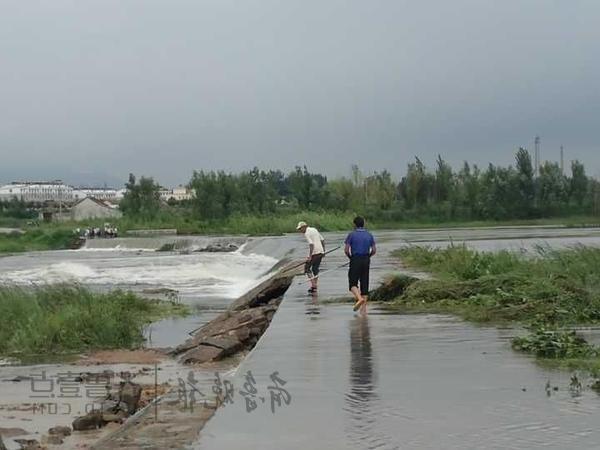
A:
(278, 224)
(551, 293)
(37, 239)
(60, 236)
(68, 318)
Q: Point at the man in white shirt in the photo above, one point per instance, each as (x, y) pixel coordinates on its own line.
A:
(316, 250)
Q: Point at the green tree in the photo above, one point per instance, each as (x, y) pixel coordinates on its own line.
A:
(142, 198)
(215, 195)
(525, 184)
(579, 183)
(308, 189)
(553, 190)
(444, 181)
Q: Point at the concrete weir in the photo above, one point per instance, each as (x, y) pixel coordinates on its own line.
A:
(175, 420)
(239, 327)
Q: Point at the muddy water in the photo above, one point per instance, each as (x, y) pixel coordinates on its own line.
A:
(401, 381)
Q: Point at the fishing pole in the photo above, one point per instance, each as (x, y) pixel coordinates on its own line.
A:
(325, 271)
(324, 254)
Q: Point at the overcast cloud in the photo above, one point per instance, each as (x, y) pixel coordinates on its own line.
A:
(93, 90)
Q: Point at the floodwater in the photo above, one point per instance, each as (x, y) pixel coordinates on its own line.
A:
(390, 381)
(398, 382)
(381, 382)
(207, 282)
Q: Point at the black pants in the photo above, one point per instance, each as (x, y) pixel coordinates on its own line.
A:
(359, 273)
(313, 265)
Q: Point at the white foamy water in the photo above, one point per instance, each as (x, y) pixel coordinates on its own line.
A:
(226, 275)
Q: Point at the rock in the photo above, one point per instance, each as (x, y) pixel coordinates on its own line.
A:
(242, 334)
(52, 439)
(201, 354)
(238, 328)
(2, 446)
(116, 418)
(60, 431)
(130, 394)
(218, 248)
(91, 421)
(229, 345)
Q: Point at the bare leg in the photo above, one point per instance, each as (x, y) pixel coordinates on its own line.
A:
(359, 300)
(363, 308)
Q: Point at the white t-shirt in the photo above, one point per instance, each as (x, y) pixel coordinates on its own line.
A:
(313, 237)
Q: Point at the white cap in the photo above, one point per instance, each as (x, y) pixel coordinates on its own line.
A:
(301, 224)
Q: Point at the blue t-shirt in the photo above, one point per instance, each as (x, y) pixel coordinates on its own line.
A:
(360, 241)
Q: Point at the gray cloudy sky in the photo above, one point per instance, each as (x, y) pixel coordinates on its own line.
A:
(91, 90)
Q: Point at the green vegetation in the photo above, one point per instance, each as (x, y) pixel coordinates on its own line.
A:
(70, 318)
(548, 293)
(44, 238)
(421, 196)
(259, 202)
(13, 211)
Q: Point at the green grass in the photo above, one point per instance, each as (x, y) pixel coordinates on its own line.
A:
(275, 224)
(69, 318)
(285, 222)
(43, 238)
(548, 293)
(60, 235)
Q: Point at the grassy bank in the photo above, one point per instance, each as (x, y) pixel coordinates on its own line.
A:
(60, 236)
(326, 221)
(65, 318)
(548, 294)
(275, 224)
(43, 238)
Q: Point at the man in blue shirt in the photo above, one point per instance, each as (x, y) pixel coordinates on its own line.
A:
(360, 247)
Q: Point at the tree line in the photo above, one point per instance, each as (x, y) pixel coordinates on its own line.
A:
(518, 191)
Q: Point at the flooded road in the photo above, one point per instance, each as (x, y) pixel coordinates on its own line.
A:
(400, 381)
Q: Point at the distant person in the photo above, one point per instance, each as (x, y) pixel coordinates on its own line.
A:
(316, 251)
(360, 247)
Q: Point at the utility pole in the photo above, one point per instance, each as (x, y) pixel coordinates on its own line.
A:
(537, 155)
(562, 160)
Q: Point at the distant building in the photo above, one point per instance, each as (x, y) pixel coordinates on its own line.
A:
(93, 208)
(120, 194)
(109, 194)
(178, 194)
(37, 191)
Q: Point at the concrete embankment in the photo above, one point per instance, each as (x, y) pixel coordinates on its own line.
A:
(239, 328)
(173, 421)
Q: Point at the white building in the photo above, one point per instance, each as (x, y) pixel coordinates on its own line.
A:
(178, 194)
(93, 208)
(98, 193)
(37, 191)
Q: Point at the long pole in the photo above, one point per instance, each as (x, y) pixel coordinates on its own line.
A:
(326, 253)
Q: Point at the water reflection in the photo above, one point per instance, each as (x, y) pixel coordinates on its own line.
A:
(312, 306)
(361, 396)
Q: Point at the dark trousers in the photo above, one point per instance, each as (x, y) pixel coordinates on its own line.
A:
(359, 273)
(313, 266)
